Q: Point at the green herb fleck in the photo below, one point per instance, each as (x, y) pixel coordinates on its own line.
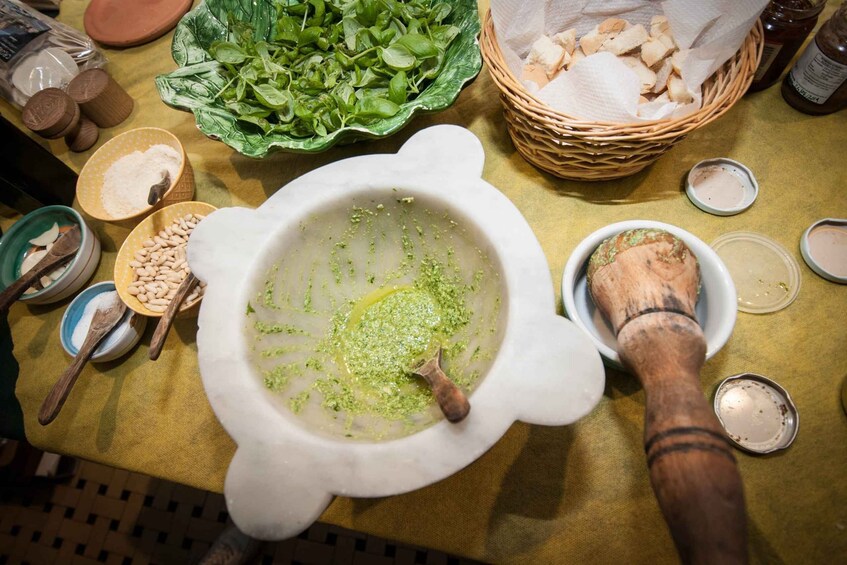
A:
(266, 328)
(296, 402)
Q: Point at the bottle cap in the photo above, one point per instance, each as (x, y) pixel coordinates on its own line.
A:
(766, 276)
(824, 248)
(721, 186)
(757, 414)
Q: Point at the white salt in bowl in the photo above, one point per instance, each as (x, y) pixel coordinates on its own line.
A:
(117, 343)
(89, 186)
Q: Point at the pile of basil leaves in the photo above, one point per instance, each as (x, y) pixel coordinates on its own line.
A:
(333, 63)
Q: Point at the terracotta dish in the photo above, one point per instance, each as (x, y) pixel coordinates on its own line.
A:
(124, 23)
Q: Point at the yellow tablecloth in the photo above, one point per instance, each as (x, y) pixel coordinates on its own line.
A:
(573, 494)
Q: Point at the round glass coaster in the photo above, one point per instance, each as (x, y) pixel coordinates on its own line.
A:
(766, 276)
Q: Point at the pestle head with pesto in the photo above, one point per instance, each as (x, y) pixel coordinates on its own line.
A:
(355, 298)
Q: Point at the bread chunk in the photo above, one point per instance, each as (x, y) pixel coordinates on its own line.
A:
(653, 51)
(627, 40)
(659, 25)
(662, 76)
(677, 90)
(566, 40)
(613, 25)
(547, 55)
(645, 75)
(592, 41)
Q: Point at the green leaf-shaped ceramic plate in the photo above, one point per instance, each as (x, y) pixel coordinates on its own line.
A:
(194, 85)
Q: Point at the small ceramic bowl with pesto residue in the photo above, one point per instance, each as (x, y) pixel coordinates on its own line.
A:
(716, 305)
(319, 302)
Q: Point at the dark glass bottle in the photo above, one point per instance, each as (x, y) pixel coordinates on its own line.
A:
(817, 84)
(787, 24)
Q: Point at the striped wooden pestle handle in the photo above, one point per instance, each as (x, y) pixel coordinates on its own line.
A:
(646, 282)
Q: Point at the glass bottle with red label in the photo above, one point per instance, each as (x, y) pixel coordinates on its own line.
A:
(817, 84)
(787, 24)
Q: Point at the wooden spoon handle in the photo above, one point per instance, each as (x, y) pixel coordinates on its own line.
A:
(692, 467)
(59, 393)
(17, 288)
(452, 401)
(167, 319)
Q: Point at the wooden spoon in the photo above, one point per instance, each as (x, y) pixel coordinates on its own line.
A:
(645, 283)
(158, 190)
(104, 320)
(62, 251)
(452, 401)
(167, 319)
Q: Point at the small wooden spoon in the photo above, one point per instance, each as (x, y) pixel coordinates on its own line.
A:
(63, 250)
(167, 319)
(645, 283)
(452, 401)
(158, 190)
(105, 319)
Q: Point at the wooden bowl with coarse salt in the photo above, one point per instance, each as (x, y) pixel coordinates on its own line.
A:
(145, 246)
(114, 183)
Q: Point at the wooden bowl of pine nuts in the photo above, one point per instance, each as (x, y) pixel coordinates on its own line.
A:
(151, 262)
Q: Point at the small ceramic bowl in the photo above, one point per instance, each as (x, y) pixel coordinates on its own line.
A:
(716, 308)
(90, 183)
(149, 227)
(15, 246)
(118, 342)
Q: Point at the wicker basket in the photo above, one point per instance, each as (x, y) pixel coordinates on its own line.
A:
(585, 150)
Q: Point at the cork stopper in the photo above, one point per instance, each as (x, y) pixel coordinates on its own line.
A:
(101, 99)
(51, 113)
(84, 137)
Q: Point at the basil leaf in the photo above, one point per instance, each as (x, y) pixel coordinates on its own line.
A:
(309, 35)
(372, 107)
(369, 78)
(419, 45)
(351, 30)
(398, 57)
(397, 88)
(444, 35)
(271, 96)
(226, 52)
(439, 12)
(318, 16)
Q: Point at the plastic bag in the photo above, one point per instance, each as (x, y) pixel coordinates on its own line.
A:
(37, 52)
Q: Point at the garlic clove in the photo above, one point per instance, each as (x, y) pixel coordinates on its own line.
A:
(31, 260)
(56, 273)
(47, 237)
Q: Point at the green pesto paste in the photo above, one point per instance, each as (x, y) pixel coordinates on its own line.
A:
(392, 333)
(381, 339)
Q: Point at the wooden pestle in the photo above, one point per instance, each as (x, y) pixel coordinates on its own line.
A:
(645, 283)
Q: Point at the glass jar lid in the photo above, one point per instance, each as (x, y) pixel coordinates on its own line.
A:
(766, 276)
